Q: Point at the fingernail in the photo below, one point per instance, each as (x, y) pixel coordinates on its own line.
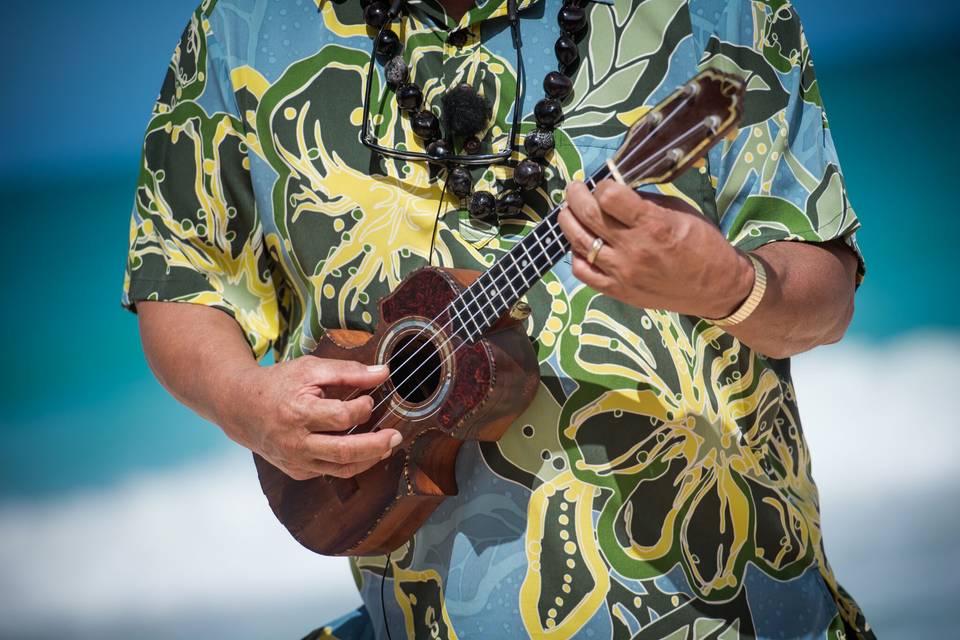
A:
(376, 368)
(395, 439)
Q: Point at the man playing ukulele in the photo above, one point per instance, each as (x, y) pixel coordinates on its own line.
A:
(659, 484)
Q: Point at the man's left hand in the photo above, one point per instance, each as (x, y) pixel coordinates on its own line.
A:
(657, 253)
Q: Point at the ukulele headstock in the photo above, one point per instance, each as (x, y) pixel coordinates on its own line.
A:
(680, 130)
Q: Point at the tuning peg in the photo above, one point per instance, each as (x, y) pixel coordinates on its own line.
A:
(691, 89)
(712, 123)
(675, 155)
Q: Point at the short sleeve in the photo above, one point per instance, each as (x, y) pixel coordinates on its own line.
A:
(194, 235)
(780, 178)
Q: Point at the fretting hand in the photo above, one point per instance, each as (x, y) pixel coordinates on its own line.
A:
(657, 253)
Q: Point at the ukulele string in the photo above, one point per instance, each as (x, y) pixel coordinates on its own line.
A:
(433, 240)
(390, 411)
(455, 316)
(628, 177)
(635, 173)
(449, 338)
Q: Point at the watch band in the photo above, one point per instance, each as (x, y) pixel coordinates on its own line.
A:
(753, 300)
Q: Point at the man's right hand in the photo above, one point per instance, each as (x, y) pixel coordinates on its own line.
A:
(282, 413)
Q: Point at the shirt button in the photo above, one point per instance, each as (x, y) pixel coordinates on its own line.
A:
(458, 38)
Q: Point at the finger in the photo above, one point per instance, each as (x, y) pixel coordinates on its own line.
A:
(315, 468)
(589, 275)
(586, 208)
(327, 372)
(301, 473)
(336, 415)
(581, 240)
(343, 470)
(669, 202)
(347, 449)
(622, 203)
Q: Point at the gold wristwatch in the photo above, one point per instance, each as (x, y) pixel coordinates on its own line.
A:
(749, 305)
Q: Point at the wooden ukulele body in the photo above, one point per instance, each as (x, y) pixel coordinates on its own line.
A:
(474, 392)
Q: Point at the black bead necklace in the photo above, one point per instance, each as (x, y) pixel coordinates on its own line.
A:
(466, 113)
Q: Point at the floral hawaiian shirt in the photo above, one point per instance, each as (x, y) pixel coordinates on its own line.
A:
(659, 486)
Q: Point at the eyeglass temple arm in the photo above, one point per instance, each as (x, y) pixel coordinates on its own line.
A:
(521, 75)
(365, 128)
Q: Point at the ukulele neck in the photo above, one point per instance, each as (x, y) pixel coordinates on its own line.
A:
(656, 149)
(499, 288)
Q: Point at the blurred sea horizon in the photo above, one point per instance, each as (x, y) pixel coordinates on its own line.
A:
(122, 514)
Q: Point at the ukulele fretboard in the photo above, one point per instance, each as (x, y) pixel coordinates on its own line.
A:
(501, 286)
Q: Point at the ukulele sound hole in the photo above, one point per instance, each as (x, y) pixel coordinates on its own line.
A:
(415, 369)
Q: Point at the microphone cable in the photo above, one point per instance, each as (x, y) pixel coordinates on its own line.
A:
(383, 601)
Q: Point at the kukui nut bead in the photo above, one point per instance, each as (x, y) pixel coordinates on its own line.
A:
(548, 113)
(483, 205)
(459, 181)
(538, 143)
(439, 150)
(395, 71)
(509, 203)
(557, 85)
(528, 174)
(426, 125)
(471, 145)
(409, 97)
(387, 43)
(572, 19)
(566, 50)
(458, 38)
(375, 15)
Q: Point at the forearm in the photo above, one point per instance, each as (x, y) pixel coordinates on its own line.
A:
(196, 352)
(808, 300)
(280, 412)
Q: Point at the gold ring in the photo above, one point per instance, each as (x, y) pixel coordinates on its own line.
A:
(595, 249)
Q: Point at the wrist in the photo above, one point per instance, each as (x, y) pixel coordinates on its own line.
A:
(236, 386)
(736, 287)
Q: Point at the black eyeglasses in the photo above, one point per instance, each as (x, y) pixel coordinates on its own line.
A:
(471, 160)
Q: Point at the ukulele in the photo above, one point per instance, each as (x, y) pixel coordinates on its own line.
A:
(461, 364)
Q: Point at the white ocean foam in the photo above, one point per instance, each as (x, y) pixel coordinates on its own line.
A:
(197, 538)
(880, 420)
